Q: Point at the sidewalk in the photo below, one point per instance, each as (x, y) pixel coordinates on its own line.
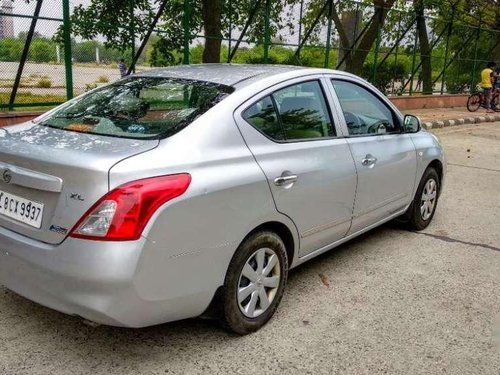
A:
(441, 117)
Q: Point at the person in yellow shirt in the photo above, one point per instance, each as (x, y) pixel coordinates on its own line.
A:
(487, 84)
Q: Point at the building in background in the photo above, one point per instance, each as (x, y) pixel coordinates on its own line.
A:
(6, 22)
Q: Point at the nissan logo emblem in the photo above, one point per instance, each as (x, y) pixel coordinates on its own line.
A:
(6, 176)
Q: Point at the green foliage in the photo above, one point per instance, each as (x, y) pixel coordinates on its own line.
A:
(42, 51)
(10, 49)
(116, 20)
(277, 55)
(386, 73)
(315, 57)
(118, 27)
(85, 51)
(161, 55)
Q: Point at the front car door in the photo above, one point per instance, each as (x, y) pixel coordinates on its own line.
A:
(385, 157)
(291, 132)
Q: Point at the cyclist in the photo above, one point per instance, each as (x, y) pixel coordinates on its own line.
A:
(487, 75)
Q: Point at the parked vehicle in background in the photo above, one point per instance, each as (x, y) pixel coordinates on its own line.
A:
(188, 190)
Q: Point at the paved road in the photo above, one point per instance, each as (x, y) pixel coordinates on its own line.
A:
(390, 302)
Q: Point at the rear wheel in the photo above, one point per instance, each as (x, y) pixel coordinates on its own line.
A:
(255, 283)
(474, 102)
(423, 207)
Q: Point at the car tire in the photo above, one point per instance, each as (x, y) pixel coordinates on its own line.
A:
(423, 207)
(255, 282)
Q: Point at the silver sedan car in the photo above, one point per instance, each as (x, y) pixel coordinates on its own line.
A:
(193, 190)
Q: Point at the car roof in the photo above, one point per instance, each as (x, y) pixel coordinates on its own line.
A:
(235, 75)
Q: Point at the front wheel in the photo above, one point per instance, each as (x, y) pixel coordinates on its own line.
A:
(423, 207)
(255, 283)
(474, 102)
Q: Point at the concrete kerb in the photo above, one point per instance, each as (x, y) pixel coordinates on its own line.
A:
(436, 124)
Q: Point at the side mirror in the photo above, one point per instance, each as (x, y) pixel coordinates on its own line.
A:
(411, 124)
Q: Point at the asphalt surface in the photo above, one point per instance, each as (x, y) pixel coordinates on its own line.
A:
(391, 301)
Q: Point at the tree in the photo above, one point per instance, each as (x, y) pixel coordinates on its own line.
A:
(118, 20)
(476, 21)
(85, 51)
(211, 10)
(425, 49)
(343, 15)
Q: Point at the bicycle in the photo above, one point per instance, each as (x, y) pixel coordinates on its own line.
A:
(478, 99)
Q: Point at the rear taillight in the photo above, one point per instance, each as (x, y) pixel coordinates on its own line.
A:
(122, 214)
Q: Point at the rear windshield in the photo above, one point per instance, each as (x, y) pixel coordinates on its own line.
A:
(138, 107)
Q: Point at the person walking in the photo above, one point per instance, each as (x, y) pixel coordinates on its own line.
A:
(487, 84)
(123, 68)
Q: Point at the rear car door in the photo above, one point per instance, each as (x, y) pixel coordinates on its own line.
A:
(385, 157)
(292, 135)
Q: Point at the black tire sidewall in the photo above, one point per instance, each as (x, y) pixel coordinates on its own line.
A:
(233, 319)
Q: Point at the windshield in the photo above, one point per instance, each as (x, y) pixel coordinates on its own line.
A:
(138, 107)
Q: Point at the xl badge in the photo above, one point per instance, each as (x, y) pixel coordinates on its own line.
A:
(6, 176)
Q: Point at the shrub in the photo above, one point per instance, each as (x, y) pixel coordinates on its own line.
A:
(44, 83)
(103, 79)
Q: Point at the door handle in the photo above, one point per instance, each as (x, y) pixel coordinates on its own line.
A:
(369, 160)
(285, 180)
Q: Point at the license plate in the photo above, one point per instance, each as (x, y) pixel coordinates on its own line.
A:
(21, 209)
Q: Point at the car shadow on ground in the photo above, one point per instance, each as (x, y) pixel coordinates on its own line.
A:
(60, 331)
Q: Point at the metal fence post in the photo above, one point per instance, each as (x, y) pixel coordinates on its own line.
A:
(310, 30)
(132, 34)
(24, 55)
(68, 63)
(267, 32)
(474, 66)
(186, 26)
(147, 36)
(377, 47)
(230, 29)
(252, 14)
(301, 12)
(413, 61)
(446, 50)
(329, 33)
(396, 53)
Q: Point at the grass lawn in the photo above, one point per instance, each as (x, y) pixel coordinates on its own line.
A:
(26, 101)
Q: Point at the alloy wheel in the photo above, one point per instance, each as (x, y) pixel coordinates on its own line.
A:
(258, 282)
(428, 200)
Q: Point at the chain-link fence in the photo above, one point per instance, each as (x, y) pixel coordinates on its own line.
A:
(35, 69)
(403, 50)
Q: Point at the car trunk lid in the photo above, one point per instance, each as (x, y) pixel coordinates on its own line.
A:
(49, 177)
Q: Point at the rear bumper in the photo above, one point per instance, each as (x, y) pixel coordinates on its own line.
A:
(95, 280)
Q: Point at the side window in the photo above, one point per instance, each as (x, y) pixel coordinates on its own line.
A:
(294, 113)
(263, 117)
(303, 111)
(364, 113)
